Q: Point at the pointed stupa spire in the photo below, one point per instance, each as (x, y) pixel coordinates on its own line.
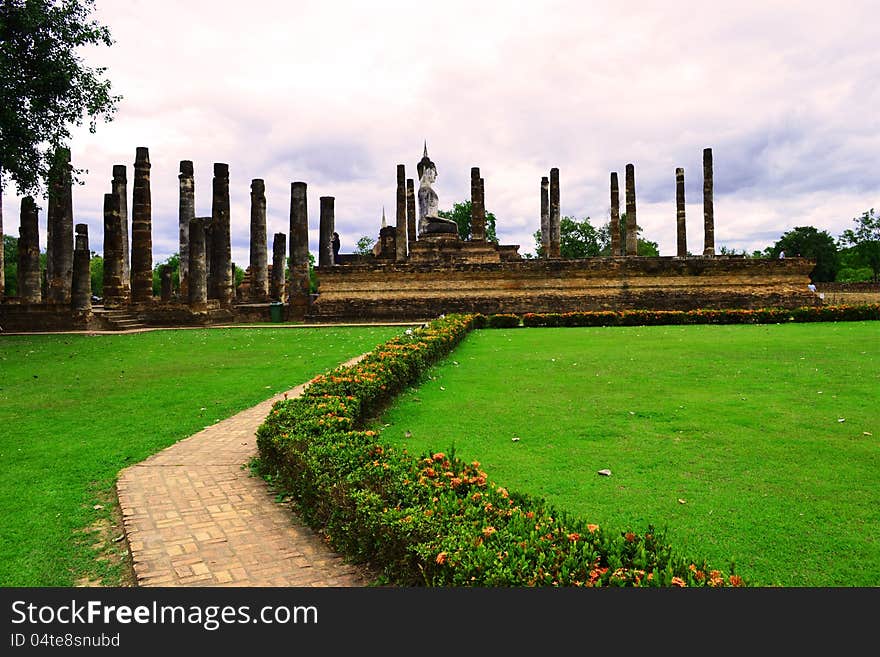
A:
(384, 224)
(425, 161)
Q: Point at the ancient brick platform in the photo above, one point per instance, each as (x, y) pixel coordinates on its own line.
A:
(413, 291)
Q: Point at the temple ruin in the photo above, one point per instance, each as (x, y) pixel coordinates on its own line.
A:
(420, 267)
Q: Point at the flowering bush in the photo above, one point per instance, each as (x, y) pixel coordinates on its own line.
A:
(436, 520)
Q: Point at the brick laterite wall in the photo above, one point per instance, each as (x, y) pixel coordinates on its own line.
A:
(405, 291)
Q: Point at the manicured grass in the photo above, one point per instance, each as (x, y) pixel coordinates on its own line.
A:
(753, 444)
(75, 410)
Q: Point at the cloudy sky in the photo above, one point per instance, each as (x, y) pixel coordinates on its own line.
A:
(337, 94)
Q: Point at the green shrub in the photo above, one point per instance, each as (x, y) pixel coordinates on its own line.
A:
(503, 320)
(704, 316)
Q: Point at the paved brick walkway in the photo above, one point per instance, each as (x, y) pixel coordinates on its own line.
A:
(195, 516)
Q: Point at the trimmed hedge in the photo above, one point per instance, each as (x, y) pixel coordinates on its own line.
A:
(435, 520)
(663, 317)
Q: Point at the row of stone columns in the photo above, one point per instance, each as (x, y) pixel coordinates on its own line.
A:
(631, 228)
(551, 234)
(708, 209)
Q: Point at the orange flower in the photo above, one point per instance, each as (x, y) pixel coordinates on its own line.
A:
(736, 580)
(630, 537)
(593, 528)
(678, 581)
(441, 558)
(574, 537)
(488, 531)
(439, 456)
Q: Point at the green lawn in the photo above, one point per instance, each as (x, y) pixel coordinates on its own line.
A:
(753, 444)
(76, 409)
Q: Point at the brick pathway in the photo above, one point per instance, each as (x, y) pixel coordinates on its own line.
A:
(194, 516)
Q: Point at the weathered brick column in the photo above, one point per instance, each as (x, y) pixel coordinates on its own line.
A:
(81, 291)
(279, 252)
(401, 214)
(259, 262)
(185, 214)
(29, 284)
(411, 230)
(165, 281)
(197, 292)
(208, 227)
(115, 292)
(141, 230)
(545, 216)
(615, 216)
(2, 260)
(119, 186)
(555, 235)
(708, 205)
(478, 208)
(60, 218)
(632, 226)
(221, 246)
(325, 235)
(680, 224)
(299, 287)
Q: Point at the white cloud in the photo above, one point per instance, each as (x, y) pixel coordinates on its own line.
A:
(338, 93)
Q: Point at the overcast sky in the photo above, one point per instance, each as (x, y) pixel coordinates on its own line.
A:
(337, 94)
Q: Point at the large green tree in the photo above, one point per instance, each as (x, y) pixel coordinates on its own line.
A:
(46, 88)
(812, 243)
(580, 239)
(461, 214)
(864, 240)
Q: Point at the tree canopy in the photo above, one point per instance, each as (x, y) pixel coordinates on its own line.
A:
(864, 241)
(46, 88)
(809, 242)
(580, 239)
(461, 214)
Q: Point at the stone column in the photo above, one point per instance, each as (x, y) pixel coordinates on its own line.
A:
(478, 210)
(81, 292)
(141, 230)
(681, 228)
(259, 243)
(197, 292)
(115, 291)
(208, 227)
(29, 284)
(632, 227)
(555, 236)
(402, 242)
(2, 260)
(545, 216)
(221, 247)
(326, 227)
(411, 211)
(300, 287)
(60, 216)
(119, 186)
(708, 205)
(165, 281)
(186, 213)
(615, 216)
(278, 255)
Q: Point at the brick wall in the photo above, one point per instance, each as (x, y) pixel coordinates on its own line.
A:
(407, 291)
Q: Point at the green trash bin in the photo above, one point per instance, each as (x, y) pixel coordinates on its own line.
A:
(275, 310)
